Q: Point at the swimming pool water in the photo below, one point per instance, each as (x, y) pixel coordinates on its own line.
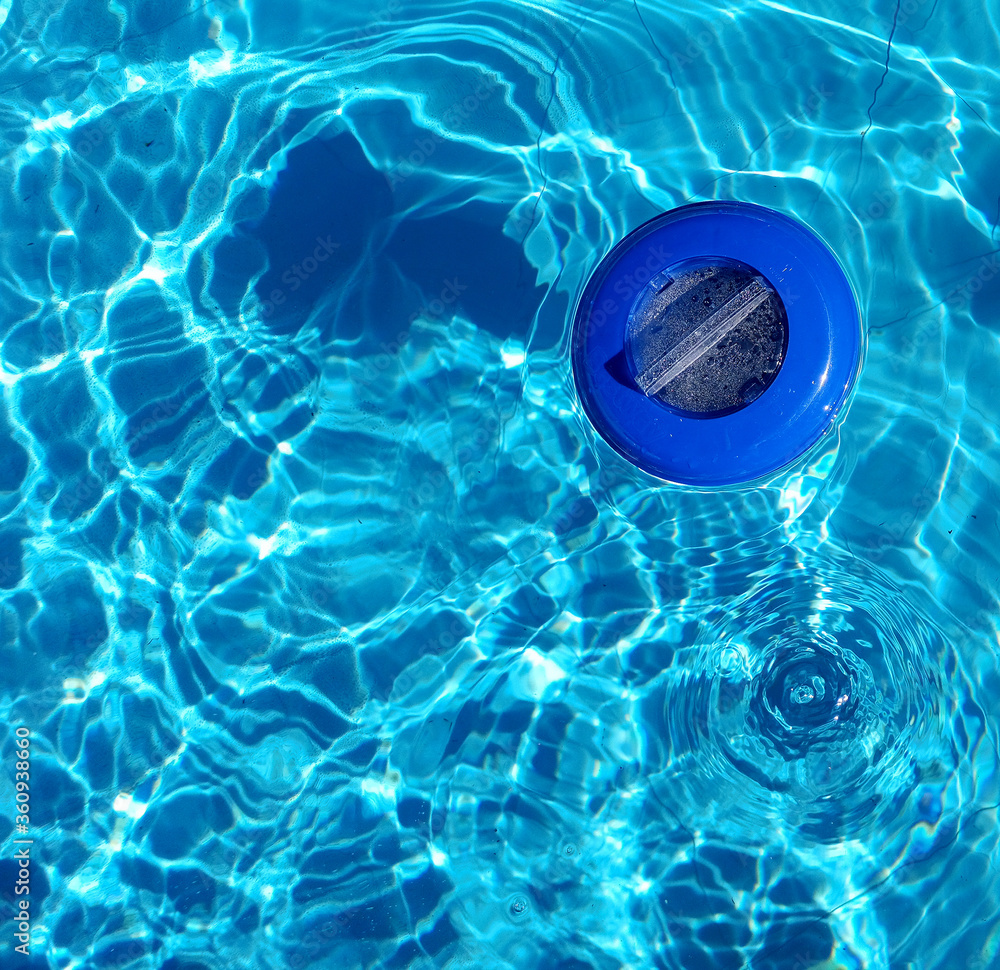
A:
(341, 638)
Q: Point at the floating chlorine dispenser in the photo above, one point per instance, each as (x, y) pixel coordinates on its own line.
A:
(717, 343)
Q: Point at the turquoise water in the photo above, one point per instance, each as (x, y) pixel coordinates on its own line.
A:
(341, 638)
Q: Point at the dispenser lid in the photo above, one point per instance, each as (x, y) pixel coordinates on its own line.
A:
(716, 343)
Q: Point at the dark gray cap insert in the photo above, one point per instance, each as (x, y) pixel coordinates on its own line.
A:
(706, 337)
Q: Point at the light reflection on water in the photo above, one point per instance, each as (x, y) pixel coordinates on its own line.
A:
(374, 652)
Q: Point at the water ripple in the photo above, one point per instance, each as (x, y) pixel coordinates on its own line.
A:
(342, 635)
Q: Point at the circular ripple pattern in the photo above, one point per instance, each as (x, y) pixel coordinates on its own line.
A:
(809, 719)
(808, 697)
(813, 713)
(518, 908)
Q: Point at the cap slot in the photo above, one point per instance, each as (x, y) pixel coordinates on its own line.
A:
(702, 339)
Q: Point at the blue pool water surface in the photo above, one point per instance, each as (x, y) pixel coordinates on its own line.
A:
(341, 638)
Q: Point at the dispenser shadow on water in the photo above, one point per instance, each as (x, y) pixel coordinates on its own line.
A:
(331, 247)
